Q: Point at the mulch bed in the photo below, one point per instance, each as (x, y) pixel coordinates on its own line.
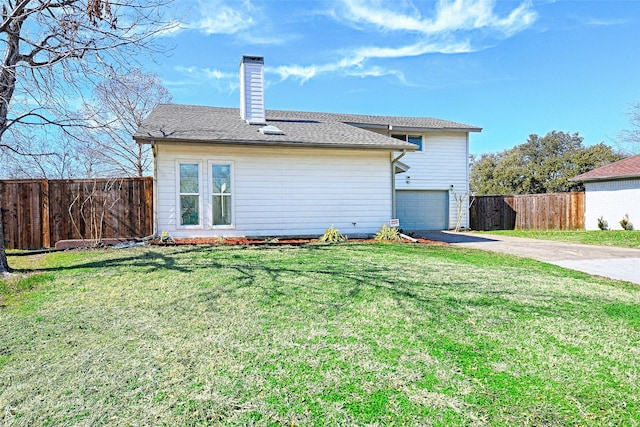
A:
(77, 244)
(256, 242)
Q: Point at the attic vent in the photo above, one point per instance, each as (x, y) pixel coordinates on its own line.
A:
(270, 130)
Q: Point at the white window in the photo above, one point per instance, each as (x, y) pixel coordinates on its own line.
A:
(221, 193)
(413, 139)
(189, 195)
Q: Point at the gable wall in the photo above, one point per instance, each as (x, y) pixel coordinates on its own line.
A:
(612, 200)
(282, 191)
(442, 163)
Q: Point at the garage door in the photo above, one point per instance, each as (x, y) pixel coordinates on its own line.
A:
(422, 210)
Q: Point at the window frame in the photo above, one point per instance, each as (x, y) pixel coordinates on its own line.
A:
(179, 194)
(405, 137)
(211, 205)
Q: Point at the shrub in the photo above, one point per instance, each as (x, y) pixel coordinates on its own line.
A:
(603, 224)
(165, 237)
(625, 223)
(388, 233)
(332, 235)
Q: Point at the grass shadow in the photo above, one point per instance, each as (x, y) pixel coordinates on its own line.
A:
(148, 259)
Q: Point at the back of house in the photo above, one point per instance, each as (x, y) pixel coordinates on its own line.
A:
(254, 172)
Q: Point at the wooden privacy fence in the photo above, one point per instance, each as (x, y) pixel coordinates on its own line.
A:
(557, 211)
(38, 212)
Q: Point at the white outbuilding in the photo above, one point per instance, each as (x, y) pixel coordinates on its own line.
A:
(611, 192)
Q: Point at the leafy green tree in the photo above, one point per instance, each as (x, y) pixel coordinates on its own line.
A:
(540, 165)
(482, 179)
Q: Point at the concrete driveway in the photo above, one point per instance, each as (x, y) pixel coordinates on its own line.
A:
(615, 263)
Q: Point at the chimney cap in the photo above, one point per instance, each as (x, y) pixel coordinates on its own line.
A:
(252, 59)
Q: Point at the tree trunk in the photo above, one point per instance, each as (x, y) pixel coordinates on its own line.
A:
(7, 89)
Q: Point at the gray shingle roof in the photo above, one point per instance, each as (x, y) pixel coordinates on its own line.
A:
(190, 123)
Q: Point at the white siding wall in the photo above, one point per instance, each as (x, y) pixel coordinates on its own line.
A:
(443, 162)
(612, 200)
(283, 191)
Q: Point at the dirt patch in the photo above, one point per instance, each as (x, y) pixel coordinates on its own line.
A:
(432, 242)
(88, 243)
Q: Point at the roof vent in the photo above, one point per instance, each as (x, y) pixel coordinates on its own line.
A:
(270, 130)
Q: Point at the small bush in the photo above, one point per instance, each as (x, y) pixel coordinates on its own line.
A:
(388, 233)
(625, 223)
(332, 235)
(165, 237)
(603, 224)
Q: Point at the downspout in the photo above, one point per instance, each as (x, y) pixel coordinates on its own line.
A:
(467, 191)
(393, 182)
(154, 150)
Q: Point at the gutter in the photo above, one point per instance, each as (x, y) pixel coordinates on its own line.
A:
(605, 178)
(393, 181)
(275, 143)
(418, 129)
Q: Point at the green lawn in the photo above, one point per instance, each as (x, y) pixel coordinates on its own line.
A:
(619, 238)
(350, 334)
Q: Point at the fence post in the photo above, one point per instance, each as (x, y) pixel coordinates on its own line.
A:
(46, 230)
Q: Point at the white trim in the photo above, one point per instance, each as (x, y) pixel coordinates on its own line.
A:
(209, 188)
(178, 205)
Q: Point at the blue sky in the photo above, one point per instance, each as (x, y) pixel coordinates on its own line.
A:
(511, 67)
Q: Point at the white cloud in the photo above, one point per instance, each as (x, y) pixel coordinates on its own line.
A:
(352, 66)
(454, 26)
(242, 19)
(599, 22)
(197, 76)
(448, 27)
(298, 72)
(378, 72)
(418, 49)
(204, 73)
(355, 63)
(216, 17)
(450, 16)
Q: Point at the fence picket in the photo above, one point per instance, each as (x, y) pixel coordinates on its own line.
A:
(38, 212)
(557, 211)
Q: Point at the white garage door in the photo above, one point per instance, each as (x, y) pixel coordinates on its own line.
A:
(422, 210)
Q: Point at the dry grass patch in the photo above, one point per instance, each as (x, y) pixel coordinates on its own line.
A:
(352, 334)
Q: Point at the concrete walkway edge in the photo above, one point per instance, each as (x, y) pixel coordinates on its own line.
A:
(606, 261)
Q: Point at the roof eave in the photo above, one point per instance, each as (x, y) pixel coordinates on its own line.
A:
(394, 128)
(152, 140)
(605, 178)
(433, 129)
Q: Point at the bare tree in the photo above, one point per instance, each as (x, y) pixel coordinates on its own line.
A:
(629, 139)
(462, 207)
(102, 148)
(120, 103)
(52, 50)
(45, 153)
